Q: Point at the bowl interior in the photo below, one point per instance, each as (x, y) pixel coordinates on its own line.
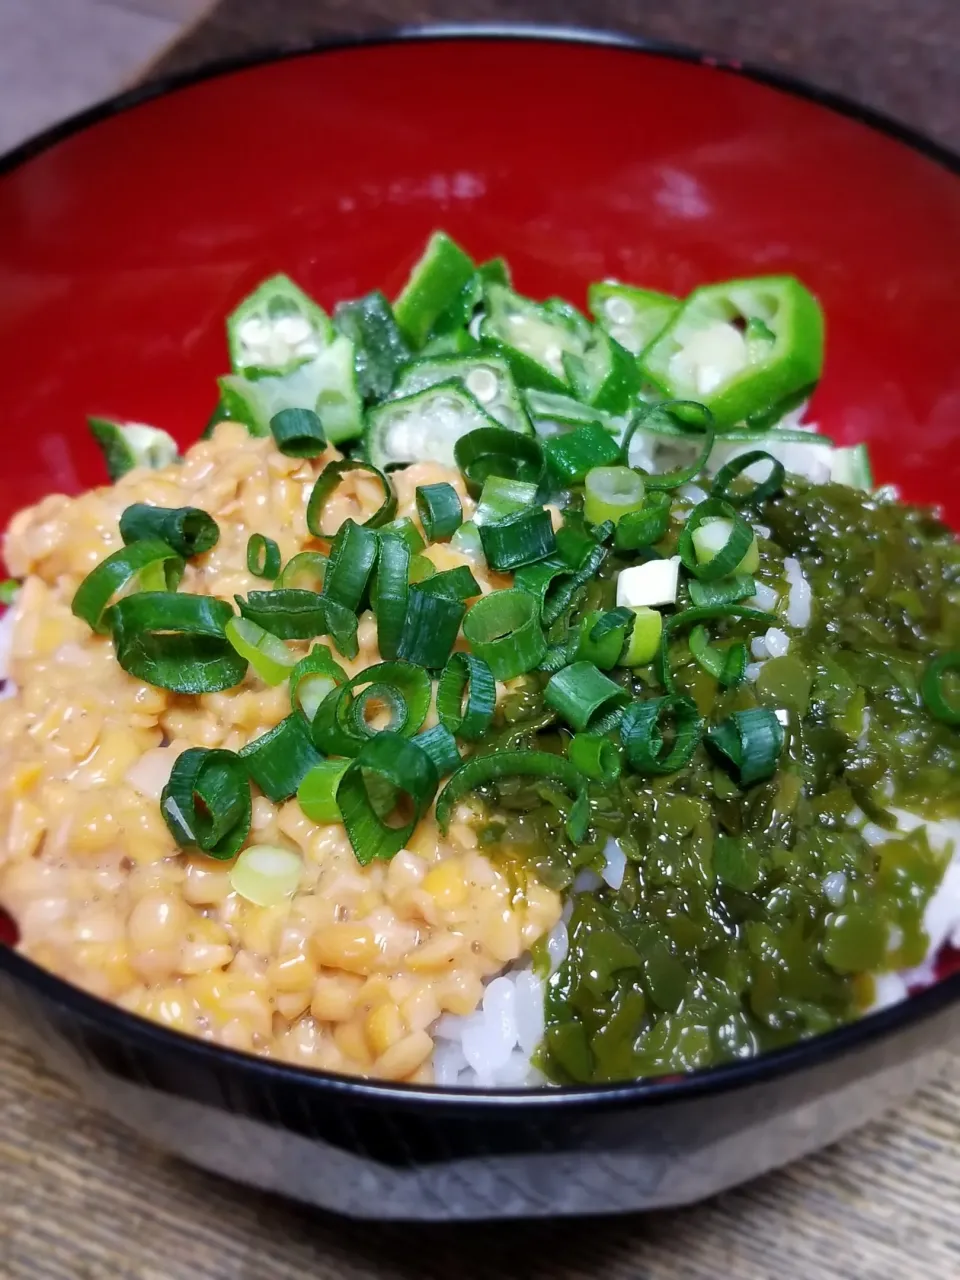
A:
(123, 246)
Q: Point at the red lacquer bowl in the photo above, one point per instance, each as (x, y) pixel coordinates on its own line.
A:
(128, 234)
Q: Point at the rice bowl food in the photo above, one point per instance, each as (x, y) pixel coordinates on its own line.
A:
(491, 696)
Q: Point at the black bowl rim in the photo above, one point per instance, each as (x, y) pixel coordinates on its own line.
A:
(150, 1036)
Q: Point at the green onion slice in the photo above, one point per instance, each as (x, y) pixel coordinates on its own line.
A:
(287, 612)
(176, 642)
(342, 627)
(121, 569)
(519, 539)
(502, 497)
(759, 491)
(8, 591)
(340, 725)
(726, 591)
(466, 696)
(311, 565)
(642, 733)
(263, 556)
(313, 678)
(383, 794)
(495, 451)
(439, 509)
(644, 527)
(728, 667)
(480, 770)
(279, 760)
(298, 433)
(330, 479)
(504, 630)
(596, 757)
(934, 688)
(553, 583)
(404, 528)
(604, 634)
(431, 626)
(317, 793)
(389, 593)
(266, 874)
(269, 657)
(206, 804)
(452, 584)
(441, 746)
(690, 617)
(582, 695)
(610, 493)
(188, 530)
(352, 557)
(730, 555)
(749, 743)
(572, 455)
(697, 418)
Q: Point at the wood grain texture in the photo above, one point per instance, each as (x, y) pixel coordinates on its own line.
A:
(82, 1200)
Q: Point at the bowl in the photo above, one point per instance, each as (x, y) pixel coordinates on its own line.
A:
(125, 236)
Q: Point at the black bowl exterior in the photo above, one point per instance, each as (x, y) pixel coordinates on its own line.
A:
(382, 1152)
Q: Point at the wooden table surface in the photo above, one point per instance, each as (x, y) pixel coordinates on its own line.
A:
(82, 1200)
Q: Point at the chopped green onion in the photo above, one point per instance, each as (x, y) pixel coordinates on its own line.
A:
(8, 591)
(298, 433)
(352, 557)
(439, 509)
(519, 539)
(504, 630)
(441, 746)
(603, 635)
(452, 584)
(269, 657)
(340, 725)
(495, 451)
(313, 678)
(641, 732)
(317, 793)
(573, 454)
(725, 591)
(690, 617)
(595, 756)
(466, 696)
(709, 556)
(330, 479)
(644, 527)
(502, 497)
(420, 569)
(263, 556)
(206, 804)
(574, 540)
(342, 627)
(726, 667)
(286, 612)
(467, 541)
(176, 642)
(431, 626)
(266, 874)
(695, 415)
(392, 590)
(188, 530)
(553, 583)
(749, 743)
(279, 759)
(389, 771)
(759, 491)
(582, 695)
(643, 642)
(933, 688)
(404, 528)
(480, 770)
(93, 596)
(311, 565)
(610, 493)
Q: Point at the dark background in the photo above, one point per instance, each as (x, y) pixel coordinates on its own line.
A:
(900, 56)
